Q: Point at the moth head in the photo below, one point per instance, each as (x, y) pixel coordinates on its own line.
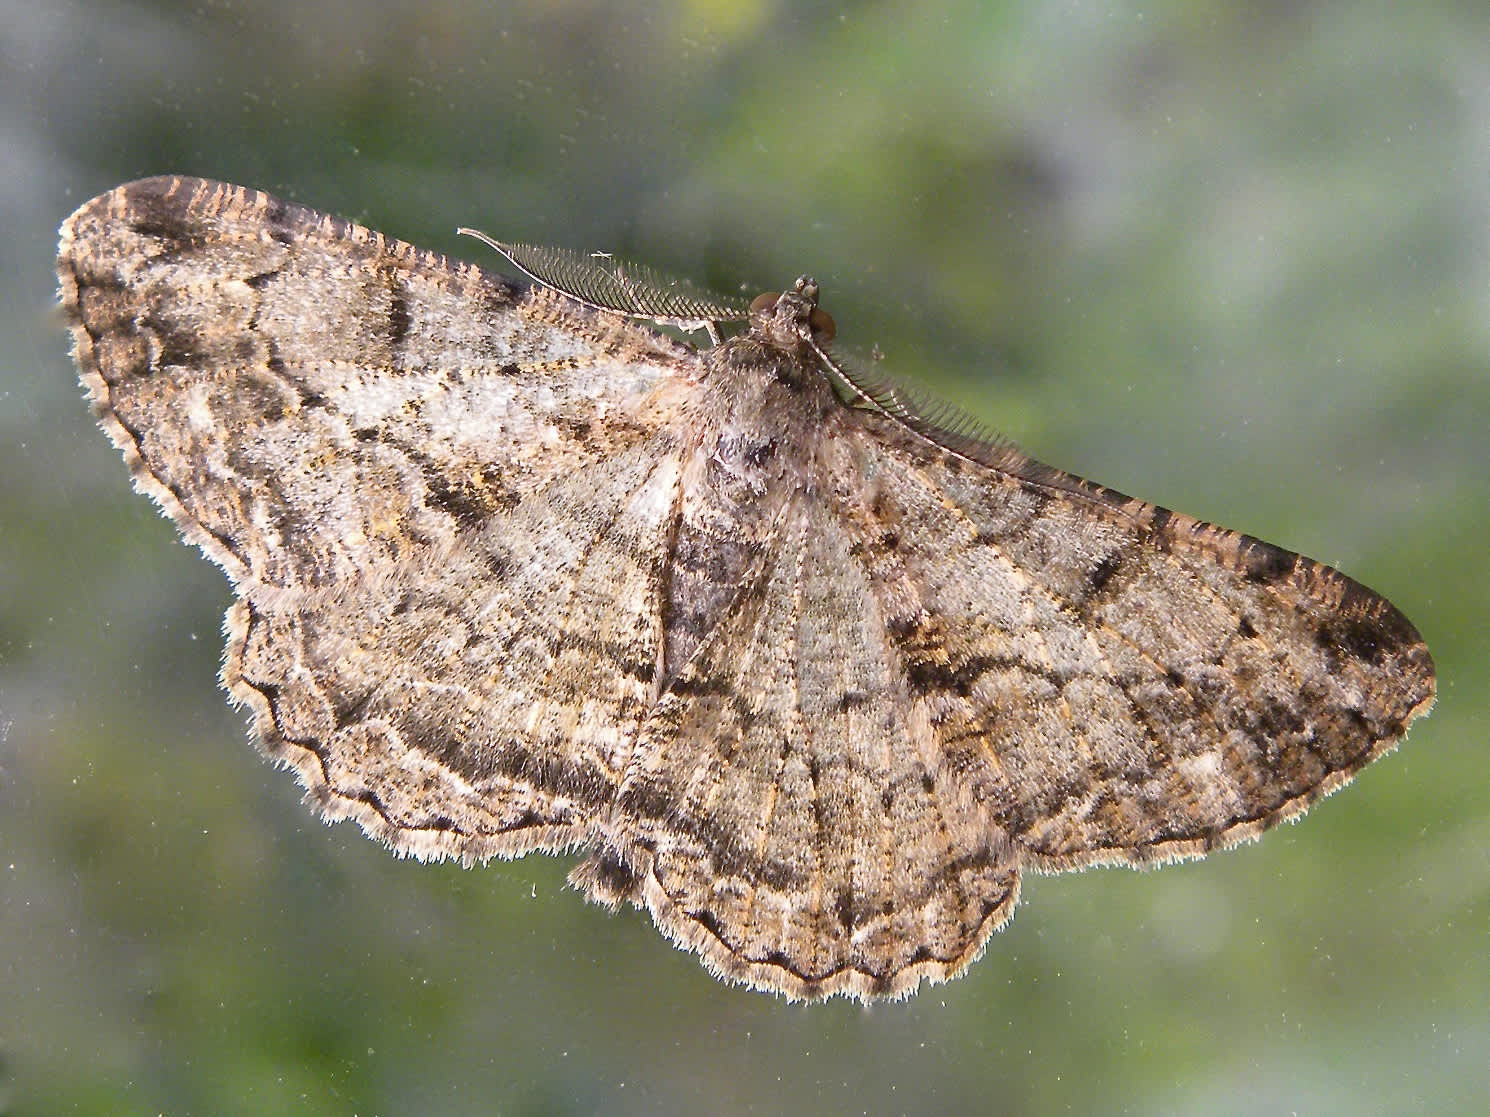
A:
(786, 319)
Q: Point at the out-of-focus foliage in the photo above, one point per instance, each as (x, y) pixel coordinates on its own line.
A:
(1234, 258)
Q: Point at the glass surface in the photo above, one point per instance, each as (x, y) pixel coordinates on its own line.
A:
(1231, 258)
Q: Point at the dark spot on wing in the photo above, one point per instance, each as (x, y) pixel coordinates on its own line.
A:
(1264, 563)
(1100, 574)
(279, 219)
(400, 321)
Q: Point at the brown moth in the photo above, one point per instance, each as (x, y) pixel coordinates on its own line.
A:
(805, 671)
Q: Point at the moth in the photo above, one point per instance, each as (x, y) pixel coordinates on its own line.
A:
(809, 671)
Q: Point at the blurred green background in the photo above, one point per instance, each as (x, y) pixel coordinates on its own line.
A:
(1234, 258)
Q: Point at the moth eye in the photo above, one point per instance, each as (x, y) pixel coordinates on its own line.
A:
(764, 301)
(823, 326)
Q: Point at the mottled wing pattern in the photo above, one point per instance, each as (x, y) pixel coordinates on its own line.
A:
(333, 416)
(811, 682)
(806, 836)
(976, 666)
(1120, 683)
